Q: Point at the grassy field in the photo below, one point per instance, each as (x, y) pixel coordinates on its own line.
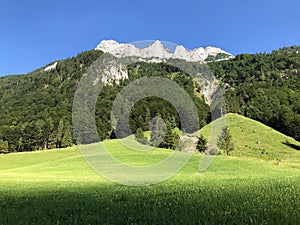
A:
(58, 187)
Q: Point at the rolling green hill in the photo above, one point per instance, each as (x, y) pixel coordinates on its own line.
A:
(254, 139)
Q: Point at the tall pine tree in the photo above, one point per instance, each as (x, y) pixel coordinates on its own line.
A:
(67, 140)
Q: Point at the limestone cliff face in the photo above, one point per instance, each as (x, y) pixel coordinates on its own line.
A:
(156, 52)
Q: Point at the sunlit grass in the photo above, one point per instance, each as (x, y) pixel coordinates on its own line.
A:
(253, 139)
(58, 186)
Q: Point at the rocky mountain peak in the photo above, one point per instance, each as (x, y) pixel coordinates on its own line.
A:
(158, 51)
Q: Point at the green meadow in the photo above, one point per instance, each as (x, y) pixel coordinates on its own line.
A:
(248, 187)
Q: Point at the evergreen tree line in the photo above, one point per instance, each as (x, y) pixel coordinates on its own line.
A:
(36, 135)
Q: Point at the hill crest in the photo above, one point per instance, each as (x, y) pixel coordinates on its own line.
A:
(254, 139)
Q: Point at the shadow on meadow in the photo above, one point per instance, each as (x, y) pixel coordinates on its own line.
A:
(233, 202)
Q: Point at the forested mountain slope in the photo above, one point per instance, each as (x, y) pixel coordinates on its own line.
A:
(264, 87)
(36, 108)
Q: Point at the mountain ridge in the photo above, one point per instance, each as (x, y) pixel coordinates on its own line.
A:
(158, 50)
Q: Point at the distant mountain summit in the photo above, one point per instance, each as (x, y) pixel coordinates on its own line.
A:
(158, 52)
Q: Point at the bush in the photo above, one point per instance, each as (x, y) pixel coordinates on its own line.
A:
(201, 144)
(140, 137)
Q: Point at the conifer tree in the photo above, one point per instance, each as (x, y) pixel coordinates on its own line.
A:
(225, 141)
(171, 139)
(67, 140)
(201, 144)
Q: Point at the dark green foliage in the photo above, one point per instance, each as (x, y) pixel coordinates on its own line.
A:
(288, 50)
(172, 121)
(140, 137)
(219, 56)
(67, 140)
(41, 102)
(150, 106)
(201, 144)
(59, 134)
(32, 105)
(103, 111)
(147, 108)
(47, 130)
(170, 139)
(3, 147)
(225, 141)
(264, 87)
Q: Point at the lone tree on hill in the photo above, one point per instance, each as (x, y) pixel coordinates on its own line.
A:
(225, 141)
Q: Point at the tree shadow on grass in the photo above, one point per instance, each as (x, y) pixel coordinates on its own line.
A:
(291, 145)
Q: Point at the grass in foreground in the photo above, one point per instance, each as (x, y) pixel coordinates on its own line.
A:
(58, 187)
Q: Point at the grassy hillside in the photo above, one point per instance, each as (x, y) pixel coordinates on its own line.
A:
(254, 139)
(58, 187)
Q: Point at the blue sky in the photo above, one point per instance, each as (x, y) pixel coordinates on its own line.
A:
(36, 32)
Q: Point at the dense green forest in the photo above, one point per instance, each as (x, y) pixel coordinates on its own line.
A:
(264, 87)
(36, 108)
